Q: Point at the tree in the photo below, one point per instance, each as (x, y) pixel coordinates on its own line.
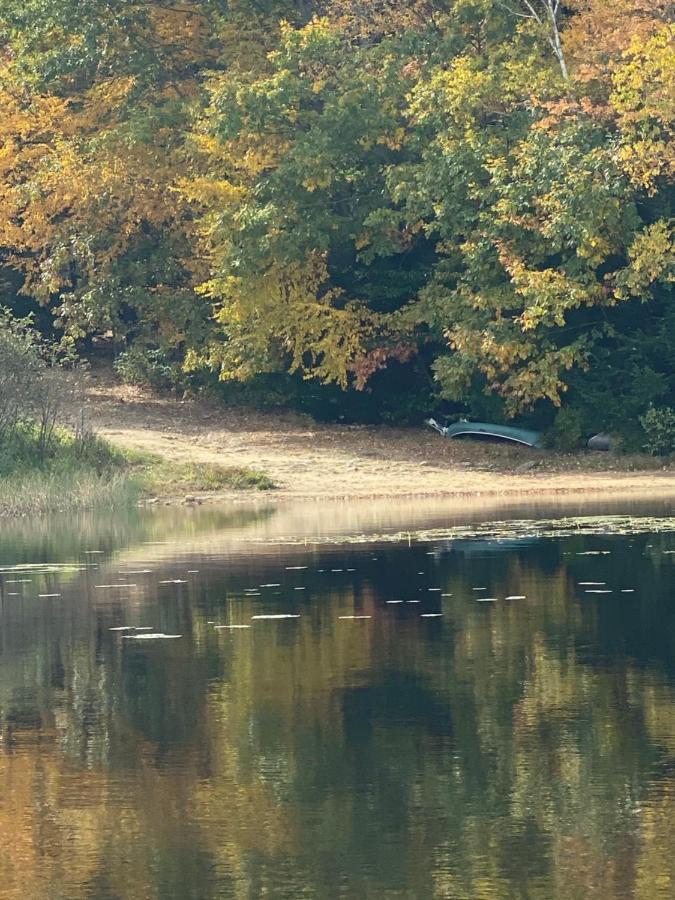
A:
(546, 14)
(334, 187)
(294, 193)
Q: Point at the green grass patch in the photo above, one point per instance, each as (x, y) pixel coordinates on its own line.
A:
(76, 473)
(71, 473)
(162, 477)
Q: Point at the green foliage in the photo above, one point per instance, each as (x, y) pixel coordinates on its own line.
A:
(567, 431)
(148, 367)
(659, 427)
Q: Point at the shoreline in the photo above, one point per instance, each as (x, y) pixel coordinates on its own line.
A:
(309, 461)
(627, 489)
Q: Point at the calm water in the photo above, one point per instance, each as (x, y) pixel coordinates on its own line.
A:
(517, 748)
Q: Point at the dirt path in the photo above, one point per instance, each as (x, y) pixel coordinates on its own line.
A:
(313, 461)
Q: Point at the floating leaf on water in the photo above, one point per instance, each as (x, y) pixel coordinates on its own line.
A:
(122, 584)
(512, 529)
(278, 616)
(151, 636)
(132, 628)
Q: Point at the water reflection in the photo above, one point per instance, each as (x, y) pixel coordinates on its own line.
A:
(516, 748)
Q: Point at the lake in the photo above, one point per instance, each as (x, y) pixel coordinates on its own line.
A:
(457, 703)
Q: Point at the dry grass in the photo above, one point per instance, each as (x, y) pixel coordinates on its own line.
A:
(40, 492)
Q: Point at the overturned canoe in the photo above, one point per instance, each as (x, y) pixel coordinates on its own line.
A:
(601, 442)
(511, 433)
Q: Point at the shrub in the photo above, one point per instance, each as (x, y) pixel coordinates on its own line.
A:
(148, 368)
(32, 385)
(567, 431)
(659, 427)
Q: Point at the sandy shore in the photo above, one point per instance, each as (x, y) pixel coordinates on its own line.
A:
(313, 462)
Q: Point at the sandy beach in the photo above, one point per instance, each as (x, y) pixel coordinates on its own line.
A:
(310, 461)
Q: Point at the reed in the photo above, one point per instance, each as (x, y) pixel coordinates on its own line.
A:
(38, 491)
(83, 471)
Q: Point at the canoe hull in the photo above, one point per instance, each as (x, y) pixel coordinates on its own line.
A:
(511, 433)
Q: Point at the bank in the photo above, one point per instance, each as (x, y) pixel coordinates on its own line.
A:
(309, 461)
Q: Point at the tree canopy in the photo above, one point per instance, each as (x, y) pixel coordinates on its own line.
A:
(475, 192)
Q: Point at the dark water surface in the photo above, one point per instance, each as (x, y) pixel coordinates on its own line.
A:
(454, 744)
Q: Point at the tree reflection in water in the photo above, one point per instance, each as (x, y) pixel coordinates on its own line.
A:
(517, 749)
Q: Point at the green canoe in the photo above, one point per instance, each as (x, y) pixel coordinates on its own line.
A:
(485, 429)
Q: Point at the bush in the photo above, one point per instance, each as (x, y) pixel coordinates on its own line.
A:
(148, 368)
(567, 432)
(659, 427)
(32, 385)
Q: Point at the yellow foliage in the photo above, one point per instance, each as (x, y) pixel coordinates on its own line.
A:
(644, 100)
(288, 310)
